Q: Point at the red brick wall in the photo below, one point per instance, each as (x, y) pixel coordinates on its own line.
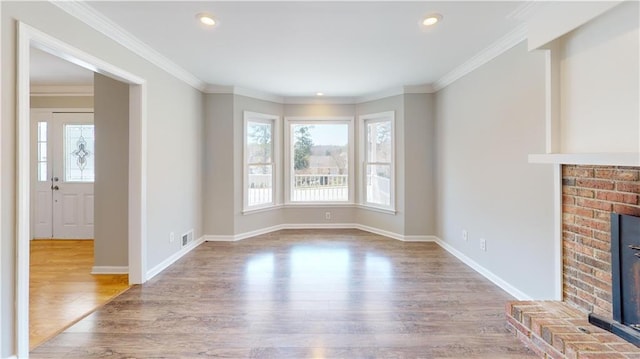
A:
(590, 194)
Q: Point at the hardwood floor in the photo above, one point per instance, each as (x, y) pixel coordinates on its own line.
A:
(62, 289)
(302, 294)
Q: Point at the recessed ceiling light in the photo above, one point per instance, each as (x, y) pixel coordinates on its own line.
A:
(319, 93)
(206, 19)
(431, 20)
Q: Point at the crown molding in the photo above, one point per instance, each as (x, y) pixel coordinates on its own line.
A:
(503, 44)
(408, 89)
(87, 14)
(524, 11)
(260, 95)
(319, 100)
(426, 88)
(61, 90)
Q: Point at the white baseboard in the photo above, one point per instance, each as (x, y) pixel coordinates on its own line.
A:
(405, 238)
(110, 270)
(394, 235)
(483, 271)
(12, 357)
(241, 236)
(169, 261)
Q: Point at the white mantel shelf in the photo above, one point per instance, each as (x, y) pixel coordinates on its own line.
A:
(602, 159)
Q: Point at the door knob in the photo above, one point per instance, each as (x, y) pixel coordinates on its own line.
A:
(55, 188)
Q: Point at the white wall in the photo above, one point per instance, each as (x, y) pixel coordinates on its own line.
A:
(111, 187)
(486, 124)
(61, 102)
(223, 167)
(174, 130)
(599, 84)
(388, 222)
(244, 223)
(419, 156)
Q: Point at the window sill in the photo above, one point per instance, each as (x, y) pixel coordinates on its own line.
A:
(377, 209)
(318, 204)
(261, 209)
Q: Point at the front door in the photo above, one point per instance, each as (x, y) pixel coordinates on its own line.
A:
(64, 196)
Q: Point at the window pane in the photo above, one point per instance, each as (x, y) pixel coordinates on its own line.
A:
(378, 184)
(42, 172)
(42, 152)
(79, 153)
(260, 184)
(259, 142)
(379, 141)
(320, 156)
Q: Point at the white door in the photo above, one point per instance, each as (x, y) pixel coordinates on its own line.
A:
(67, 195)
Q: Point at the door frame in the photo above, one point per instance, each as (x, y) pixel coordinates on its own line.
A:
(49, 111)
(137, 228)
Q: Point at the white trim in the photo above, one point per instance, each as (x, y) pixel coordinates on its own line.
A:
(23, 163)
(219, 89)
(426, 88)
(1, 202)
(260, 95)
(12, 357)
(316, 100)
(234, 90)
(274, 121)
(169, 261)
(557, 232)
(258, 232)
(603, 159)
(501, 45)
(397, 91)
(376, 209)
(30, 37)
(137, 183)
(288, 162)
(241, 236)
(59, 90)
(519, 295)
(85, 13)
(319, 100)
(524, 11)
(405, 238)
(110, 270)
(363, 159)
(261, 209)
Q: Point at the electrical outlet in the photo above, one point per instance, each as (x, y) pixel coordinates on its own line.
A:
(327, 215)
(172, 237)
(465, 235)
(483, 244)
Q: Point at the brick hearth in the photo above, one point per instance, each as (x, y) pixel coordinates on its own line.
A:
(557, 330)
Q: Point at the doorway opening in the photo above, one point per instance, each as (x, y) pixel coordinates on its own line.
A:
(29, 38)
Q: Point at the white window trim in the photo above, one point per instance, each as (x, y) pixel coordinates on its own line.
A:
(288, 163)
(274, 120)
(362, 156)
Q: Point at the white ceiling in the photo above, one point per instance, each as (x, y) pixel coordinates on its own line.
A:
(47, 69)
(344, 49)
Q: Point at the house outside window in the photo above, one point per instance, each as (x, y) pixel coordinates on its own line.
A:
(319, 158)
(260, 153)
(378, 156)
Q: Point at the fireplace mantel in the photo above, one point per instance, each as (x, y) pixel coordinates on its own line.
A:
(599, 159)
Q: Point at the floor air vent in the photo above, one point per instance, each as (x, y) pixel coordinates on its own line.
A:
(187, 238)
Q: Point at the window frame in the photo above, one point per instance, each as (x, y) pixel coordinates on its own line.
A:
(288, 160)
(274, 121)
(364, 120)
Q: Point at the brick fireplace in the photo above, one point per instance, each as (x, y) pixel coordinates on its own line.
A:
(590, 195)
(560, 329)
